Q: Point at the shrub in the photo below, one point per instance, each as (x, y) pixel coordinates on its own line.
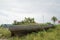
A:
(4, 32)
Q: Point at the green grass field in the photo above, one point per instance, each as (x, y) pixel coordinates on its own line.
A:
(51, 34)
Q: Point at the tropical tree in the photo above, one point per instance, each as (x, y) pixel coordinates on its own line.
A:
(54, 19)
(29, 20)
(25, 21)
(15, 22)
(32, 20)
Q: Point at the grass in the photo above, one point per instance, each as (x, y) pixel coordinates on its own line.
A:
(4, 33)
(51, 34)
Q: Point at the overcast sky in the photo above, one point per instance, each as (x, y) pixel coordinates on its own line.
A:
(18, 9)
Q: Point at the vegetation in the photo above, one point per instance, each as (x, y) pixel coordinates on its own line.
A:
(15, 22)
(25, 21)
(51, 34)
(4, 32)
(54, 19)
(48, 23)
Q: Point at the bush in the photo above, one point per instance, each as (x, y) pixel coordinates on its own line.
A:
(48, 23)
(4, 32)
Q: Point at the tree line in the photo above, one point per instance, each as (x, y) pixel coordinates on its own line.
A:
(25, 21)
(31, 20)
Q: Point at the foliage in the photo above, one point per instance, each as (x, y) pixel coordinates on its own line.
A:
(48, 23)
(15, 22)
(54, 19)
(25, 21)
(4, 32)
(29, 20)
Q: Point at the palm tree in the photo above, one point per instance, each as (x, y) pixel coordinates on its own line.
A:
(27, 20)
(54, 19)
(15, 22)
(33, 21)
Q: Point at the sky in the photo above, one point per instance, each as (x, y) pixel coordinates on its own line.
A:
(11, 10)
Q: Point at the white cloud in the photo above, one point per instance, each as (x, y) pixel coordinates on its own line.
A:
(18, 9)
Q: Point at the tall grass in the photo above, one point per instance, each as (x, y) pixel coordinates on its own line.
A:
(4, 32)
